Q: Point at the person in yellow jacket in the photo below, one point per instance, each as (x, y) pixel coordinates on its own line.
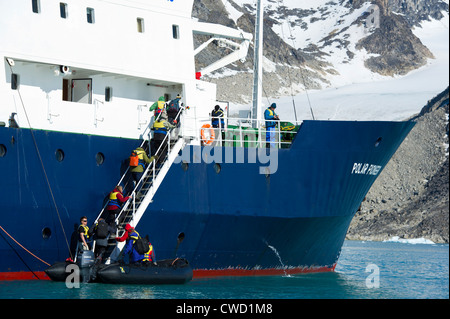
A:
(159, 107)
(83, 233)
(159, 141)
(137, 171)
(116, 200)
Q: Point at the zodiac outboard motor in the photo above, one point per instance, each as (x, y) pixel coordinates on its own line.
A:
(85, 261)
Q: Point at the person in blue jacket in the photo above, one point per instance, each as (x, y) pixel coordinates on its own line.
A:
(216, 115)
(271, 122)
(131, 235)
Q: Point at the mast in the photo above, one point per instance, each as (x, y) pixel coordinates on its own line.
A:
(257, 64)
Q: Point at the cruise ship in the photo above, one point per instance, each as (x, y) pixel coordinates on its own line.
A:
(78, 79)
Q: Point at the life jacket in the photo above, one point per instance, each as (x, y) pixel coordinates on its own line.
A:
(113, 200)
(140, 245)
(148, 255)
(160, 107)
(134, 236)
(159, 127)
(271, 114)
(86, 231)
(215, 115)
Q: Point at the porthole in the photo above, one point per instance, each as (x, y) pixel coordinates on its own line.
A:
(46, 233)
(378, 141)
(217, 168)
(180, 237)
(2, 150)
(184, 166)
(99, 158)
(59, 155)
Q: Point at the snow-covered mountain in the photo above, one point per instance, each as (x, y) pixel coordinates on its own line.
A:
(345, 59)
(355, 70)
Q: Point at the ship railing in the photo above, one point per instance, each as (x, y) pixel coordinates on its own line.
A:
(243, 132)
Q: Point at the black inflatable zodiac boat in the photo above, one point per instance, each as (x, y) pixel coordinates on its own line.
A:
(166, 271)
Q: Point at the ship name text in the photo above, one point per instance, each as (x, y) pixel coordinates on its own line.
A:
(366, 169)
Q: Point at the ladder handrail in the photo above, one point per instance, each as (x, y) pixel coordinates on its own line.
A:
(128, 168)
(151, 191)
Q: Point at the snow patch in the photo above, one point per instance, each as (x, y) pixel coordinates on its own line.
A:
(413, 241)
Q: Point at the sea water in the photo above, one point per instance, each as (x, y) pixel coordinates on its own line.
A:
(365, 270)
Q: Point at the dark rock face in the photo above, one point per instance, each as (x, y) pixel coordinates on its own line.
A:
(410, 198)
(416, 11)
(400, 51)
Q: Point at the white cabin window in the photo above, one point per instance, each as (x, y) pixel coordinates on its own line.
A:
(90, 15)
(140, 25)
(36, 6)
(63, 10)
(175, 31)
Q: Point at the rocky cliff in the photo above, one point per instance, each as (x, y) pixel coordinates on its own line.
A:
(410, 198)
(398, 49)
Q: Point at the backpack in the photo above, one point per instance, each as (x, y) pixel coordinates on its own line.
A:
(102, 230)
(134, 159)
(174, 104)
(141, 245)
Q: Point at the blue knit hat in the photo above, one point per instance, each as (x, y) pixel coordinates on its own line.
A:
(274, 105)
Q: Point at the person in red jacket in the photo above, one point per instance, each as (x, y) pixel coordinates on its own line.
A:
(130, 236)
(128, 230)
(116, 199)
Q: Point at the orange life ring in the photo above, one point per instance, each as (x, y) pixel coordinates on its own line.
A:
(212, 135)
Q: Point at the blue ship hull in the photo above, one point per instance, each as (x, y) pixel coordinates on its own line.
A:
(236, 221)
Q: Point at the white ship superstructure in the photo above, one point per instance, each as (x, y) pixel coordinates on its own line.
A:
(95, 67)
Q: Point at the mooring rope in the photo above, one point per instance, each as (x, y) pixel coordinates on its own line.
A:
(42, 165)
(23, 249)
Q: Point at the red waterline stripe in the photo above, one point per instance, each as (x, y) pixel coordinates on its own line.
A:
(198, 273)
(23, 275)
(206, 273)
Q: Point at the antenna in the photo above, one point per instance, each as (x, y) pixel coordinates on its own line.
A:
(257, 64)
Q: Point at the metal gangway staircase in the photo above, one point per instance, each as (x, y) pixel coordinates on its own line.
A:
(142, 194)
